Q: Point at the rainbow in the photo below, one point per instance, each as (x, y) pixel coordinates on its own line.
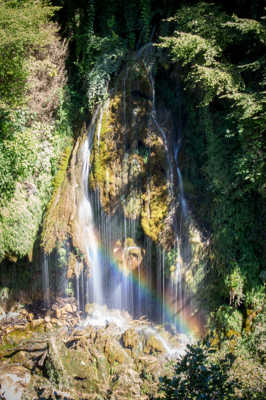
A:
(183, 320)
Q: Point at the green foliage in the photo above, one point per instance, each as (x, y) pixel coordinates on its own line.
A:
(107, 64)
(225, 89)
(21, 30)
(101, 35)
(31, 142)
(38, 149)
(16, 152)
(233, 372)
(234, 283)
(130, 17)
(195, 377)
(227, 320)
(102, 61)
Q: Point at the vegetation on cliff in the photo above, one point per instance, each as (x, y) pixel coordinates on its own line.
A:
(209, 70)
(222, 110)
(34, 128)
(226, 117)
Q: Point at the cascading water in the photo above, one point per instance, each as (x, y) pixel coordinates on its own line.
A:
(45, 279)
(175, 286)
(180, 181)
(118, 269)
(95, 291)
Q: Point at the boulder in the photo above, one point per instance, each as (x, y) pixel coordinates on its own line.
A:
(37, 322)
(153, 345)
(13, 380)
(130, 338)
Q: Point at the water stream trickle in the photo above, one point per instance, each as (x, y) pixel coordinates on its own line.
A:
(180, 181)
(105, 276)
(45, 279)
(175, 286)
(87, 223)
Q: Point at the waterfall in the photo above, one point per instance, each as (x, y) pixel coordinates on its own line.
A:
(86, 221)
(99, 127)
(160, 129)
(180, 180)
(175, 286)
(109, 259)
(45, 279)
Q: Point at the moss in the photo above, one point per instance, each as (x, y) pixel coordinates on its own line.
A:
(107, 154)
(22, 217)
(153, 345)
(251, 315)
(130, 149)
(114, 353)
(77, 363)
(131, 338)
(156, 202)
(12, 339)
(47, 238)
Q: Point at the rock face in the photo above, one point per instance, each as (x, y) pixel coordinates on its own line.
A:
(128, 255)
(130, 160)
(114, 357)
(117, 221)
(13, 381)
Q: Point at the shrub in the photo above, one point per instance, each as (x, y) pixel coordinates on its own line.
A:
(195, 377)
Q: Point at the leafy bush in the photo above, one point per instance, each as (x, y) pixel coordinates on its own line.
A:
(225, 122)
(21, 30)
(105, 55)
(207, 374)
(197, 378)
(17, 154)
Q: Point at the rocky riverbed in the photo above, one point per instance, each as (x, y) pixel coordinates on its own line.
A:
(59, 353)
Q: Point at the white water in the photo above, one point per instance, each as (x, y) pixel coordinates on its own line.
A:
(106, 283)
(180, 181)
(45, 280)
(99, 127)
(102, 317)
(175, 286)
(87, 223)
(160, 129)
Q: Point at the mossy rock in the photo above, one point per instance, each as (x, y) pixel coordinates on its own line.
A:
(115, 353)
(227, 322)
(153, 345)
(131, 339)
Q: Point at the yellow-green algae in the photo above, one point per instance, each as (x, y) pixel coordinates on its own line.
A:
(129, 153)
(53, 209)
(128, 168)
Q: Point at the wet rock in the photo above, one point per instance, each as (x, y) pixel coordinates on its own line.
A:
(29, 316)
(74, 308)
(108, 355)
(47, 318)
(131, 339)
(115, 353)
(127, 386)
(21, 358)
(153, 345)
(13, 380)
(67, 308)
(58, 313)
(36, 322)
